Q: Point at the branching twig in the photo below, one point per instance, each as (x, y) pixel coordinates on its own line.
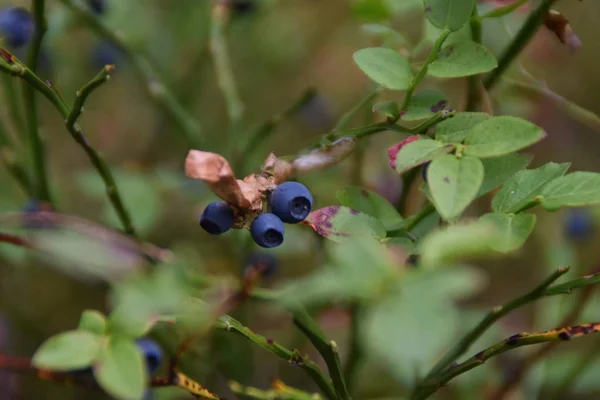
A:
(38, 155)
(157, 89)
(522, 38)
(521, 339)
(14, 67)
(229, 324)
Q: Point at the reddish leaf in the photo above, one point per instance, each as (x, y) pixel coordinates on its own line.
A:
(393, 151)
(339, 223)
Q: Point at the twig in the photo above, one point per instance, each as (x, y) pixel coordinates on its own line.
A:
(522, 38)
(157, 89)
(14, 107)
(19, 70)
(437, 45)
(15, 240)
(263, 132)
(85, 91)
(7, 155)
(221, 14)
(520, 339)
(38, 155)
(533, 358)
(413, 221)
(349, 115)
(494, 315)
(229, 324)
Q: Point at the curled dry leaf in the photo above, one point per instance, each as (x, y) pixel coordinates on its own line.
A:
(559, 25)
(246, 195)
(324, 157)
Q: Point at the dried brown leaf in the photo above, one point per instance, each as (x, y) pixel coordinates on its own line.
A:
(559, 25)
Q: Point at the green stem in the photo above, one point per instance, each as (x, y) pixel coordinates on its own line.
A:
(157, 88)
(494, 315)
(20, 70)
(229, 324)
(413, 221)
(263, 132)
(14, 107)
(348, 116)
(7, 155)
(225, 77)
(473, 94)
(38, 155)
(518, 340)
(502, 11)
(522, 38)
(437, 45)
(355, 352)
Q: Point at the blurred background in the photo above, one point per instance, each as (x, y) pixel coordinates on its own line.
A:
(280, 49)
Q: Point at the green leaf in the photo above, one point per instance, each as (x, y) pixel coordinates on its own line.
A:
(522, 189)
(448, 14)
(501, 135)
(454, 183)
(389, 109)
(455, 129)
(92, 321)
(424, 105)
(120, 369)
(500, 169)
(574, 190)
(68, 351)
(513, 230)
(419, 152)
(370, 203)
(423, 306)
(457, 241)
(385, 66)
(360, 268)
(342, 223)
(460, 59)
(389, 35)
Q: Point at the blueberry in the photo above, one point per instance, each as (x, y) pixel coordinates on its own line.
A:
(267, 230)
(412, 260)
(243, 6)
(265, 264)
(97, 6)
(152, 353)
(291, 201)
(217, 218)
(578, 224)
(424, 170)
(16, 26)
(104, 53)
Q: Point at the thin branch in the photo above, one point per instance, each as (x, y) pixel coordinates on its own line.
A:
(349, 115)
(263, 132)
(519, 42)
(221, 14)
(7, 155)
(521, 339)
(437, 45)
(85, 91)
(294, 358)
(14, 67)
(14, 106)
(157, 88)
(38, 155)
(494, 315)
(15, 240)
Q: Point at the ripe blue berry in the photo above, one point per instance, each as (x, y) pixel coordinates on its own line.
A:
(578, 224)
(263, 263)
(16, 26)
(97, 6)
(217, 218)
(424, 170)
(152, 353)
(291, 201)
(267, 230)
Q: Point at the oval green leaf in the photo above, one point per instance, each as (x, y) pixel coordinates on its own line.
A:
(92, 321)
(68, 351)
(455, 129)
(419, 152)
(387, 67)
(372, 204)
(120, 369)
(501, 135)
(460, 59)
(448, 14)
(498, 170)
(513, 230)
(454, 183)
(424, 105)
(522, 189)
(573, 190)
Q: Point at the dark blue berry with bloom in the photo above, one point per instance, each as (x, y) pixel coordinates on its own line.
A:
(97, 6)
(424, 169)
(267, 230)
(217, 218)
(578, 224)
(152, 353)
(16, 26)
(291, 202)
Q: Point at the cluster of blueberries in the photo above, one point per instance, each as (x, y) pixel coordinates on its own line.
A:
(290, 202)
